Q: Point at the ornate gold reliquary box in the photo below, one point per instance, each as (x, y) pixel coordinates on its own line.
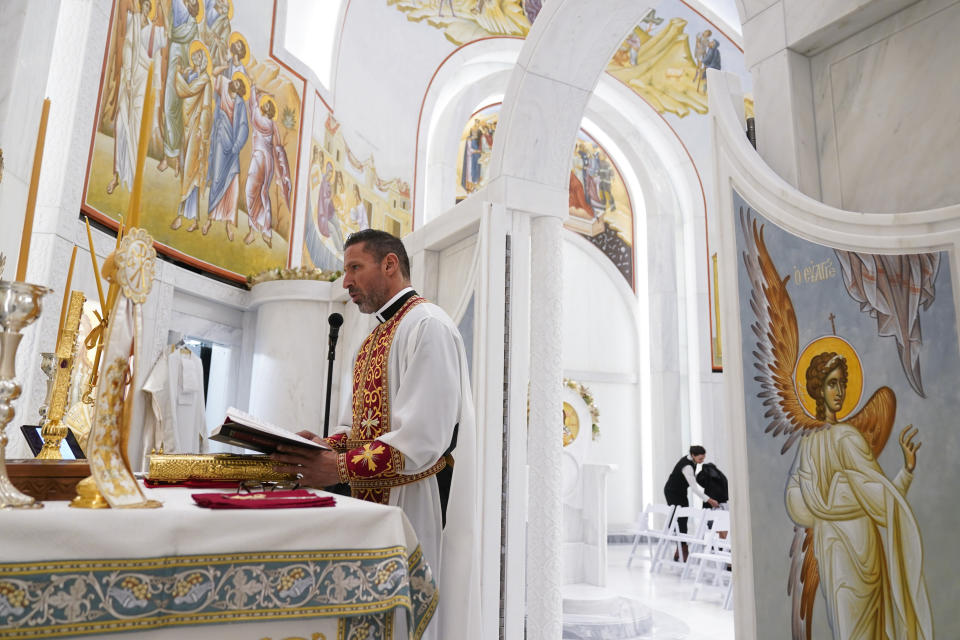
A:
(176, 467)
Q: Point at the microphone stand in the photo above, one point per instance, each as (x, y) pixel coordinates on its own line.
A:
(335, 321)
(326, 408)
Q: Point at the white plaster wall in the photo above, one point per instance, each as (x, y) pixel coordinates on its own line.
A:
(27, 46)
(384, 66)
(600, 350)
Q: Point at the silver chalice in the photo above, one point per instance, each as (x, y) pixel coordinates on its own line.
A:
(19, 307)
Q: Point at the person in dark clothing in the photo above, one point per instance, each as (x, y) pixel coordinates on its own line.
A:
(681, 479)
(714, 482)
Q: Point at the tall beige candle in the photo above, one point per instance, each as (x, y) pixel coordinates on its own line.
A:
(66, 294)
(32, 195)
(146, 124)
(96, 271)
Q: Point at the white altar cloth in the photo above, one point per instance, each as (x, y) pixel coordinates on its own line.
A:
(257, 574)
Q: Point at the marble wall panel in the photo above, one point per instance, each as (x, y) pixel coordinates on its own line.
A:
(812, 25)
(886, 113)
(764, 35)
(750, 8)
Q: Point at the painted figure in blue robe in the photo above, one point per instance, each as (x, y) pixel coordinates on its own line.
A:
(230, 131)
(711, 60)
(470, 174)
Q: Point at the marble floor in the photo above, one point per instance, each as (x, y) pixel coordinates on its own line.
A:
(675, 616)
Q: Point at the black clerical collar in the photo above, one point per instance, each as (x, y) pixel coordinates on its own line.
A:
(393, 305)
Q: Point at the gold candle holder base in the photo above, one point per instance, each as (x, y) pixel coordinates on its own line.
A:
(88, 496)
(53, 434)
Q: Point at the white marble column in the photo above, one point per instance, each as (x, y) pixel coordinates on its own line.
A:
(544, 445)
(288, 374)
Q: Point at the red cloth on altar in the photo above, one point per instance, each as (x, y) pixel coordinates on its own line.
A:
(263, 500)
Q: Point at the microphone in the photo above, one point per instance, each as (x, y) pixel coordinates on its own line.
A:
(335, 320)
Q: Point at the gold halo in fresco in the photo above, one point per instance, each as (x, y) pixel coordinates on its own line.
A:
(236, 35)
(195, 46)
(242, 77)
(153, 10)
(571, 424)
(267, 99)
(838, 345)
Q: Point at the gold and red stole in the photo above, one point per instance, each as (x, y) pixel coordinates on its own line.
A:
(370, 466)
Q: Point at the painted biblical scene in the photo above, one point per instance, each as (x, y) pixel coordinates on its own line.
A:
(464, 21)
(346, 195)
(851, 412)
(666, 66)
(600, 208)
(476, 143)
(221, 154)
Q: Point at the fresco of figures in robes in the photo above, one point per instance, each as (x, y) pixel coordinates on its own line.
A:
(346, 195)
(600, 208)
(219, 177)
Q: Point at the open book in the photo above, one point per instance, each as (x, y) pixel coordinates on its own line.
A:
(244, 430)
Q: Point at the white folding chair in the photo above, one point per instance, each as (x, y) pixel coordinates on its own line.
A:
(715, 559)
(648, 526)
(702, 538)
(674, 540)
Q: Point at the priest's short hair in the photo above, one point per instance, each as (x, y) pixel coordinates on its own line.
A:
(378, 244)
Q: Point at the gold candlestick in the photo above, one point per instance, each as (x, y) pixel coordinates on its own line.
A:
(53, 430)
(32, 195)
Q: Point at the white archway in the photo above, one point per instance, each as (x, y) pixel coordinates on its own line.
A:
(664, 188)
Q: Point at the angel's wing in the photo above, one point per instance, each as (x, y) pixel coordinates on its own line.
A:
(875, 420)
(777, 346)
(803, 582)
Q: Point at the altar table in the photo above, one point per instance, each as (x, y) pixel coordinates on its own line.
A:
(350, 571)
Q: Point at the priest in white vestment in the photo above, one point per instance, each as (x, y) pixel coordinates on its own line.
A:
(395, 433)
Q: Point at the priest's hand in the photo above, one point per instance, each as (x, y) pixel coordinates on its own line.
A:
(315, 467)
(310, 435)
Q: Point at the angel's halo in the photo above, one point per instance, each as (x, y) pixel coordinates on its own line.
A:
(838, 345)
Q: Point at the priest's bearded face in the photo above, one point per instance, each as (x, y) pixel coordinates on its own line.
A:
(365, 279)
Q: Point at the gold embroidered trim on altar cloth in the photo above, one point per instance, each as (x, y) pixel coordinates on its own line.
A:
(362, 587)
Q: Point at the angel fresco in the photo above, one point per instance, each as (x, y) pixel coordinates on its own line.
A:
(855, 535)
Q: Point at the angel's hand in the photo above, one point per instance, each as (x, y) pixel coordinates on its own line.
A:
(909, 447)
